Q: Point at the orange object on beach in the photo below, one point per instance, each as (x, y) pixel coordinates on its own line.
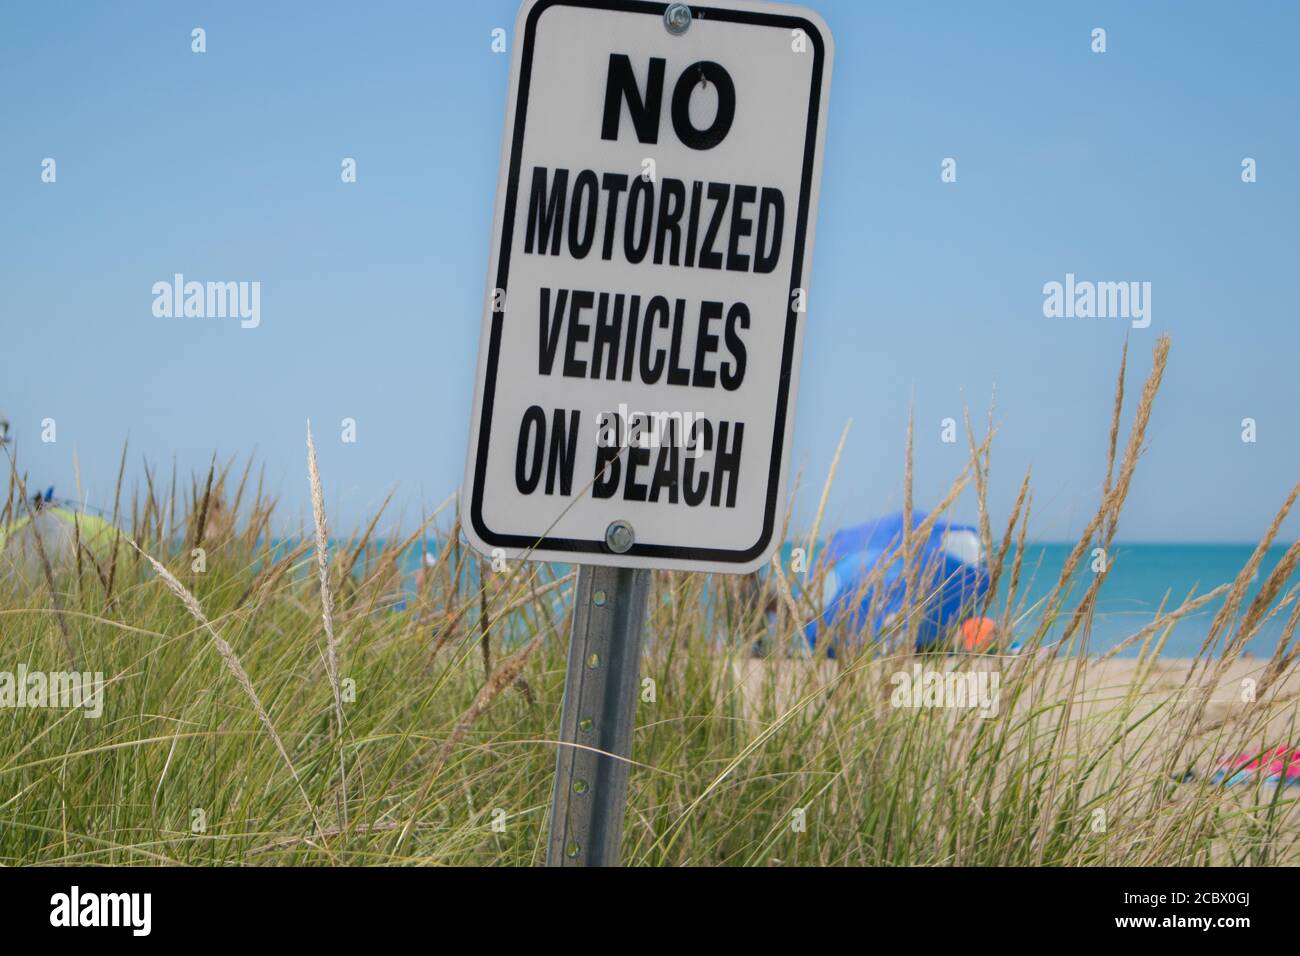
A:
(977, 633)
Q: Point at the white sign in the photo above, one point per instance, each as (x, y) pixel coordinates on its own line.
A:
(648, 284)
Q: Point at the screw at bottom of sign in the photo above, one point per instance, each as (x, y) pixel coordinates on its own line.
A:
(619, 537)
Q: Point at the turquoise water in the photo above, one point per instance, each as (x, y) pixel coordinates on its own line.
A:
(1140, 577)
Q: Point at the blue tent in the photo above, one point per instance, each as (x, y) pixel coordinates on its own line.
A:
(950, 558)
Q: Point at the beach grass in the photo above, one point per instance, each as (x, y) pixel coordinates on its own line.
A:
(268, 703)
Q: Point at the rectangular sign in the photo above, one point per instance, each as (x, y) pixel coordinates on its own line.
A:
(648, 284)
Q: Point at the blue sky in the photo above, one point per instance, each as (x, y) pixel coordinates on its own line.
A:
(1117, 166)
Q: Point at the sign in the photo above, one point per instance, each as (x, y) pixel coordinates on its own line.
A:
(648, 284)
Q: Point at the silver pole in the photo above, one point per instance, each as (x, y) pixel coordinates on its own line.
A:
(599, 712)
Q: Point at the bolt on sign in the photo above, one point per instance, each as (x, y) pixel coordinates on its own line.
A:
(648, 283)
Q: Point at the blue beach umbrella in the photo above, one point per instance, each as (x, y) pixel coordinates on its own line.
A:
(953, 576)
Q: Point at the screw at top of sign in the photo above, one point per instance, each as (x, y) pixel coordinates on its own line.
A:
(619, 537)
(677, 18)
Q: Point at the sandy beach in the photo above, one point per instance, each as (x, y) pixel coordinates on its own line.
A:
(1223, 709)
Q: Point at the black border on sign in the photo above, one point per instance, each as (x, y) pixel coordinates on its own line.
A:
(578, 545)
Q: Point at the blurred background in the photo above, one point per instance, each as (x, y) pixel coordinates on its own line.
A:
(1122, 166)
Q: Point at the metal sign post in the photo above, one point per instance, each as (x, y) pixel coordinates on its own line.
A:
(599, 712)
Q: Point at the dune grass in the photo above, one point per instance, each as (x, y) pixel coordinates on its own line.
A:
(274, 707)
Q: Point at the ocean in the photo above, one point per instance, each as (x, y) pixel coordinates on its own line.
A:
(1141, 577)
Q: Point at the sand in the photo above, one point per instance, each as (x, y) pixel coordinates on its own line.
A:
(1238, 708)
